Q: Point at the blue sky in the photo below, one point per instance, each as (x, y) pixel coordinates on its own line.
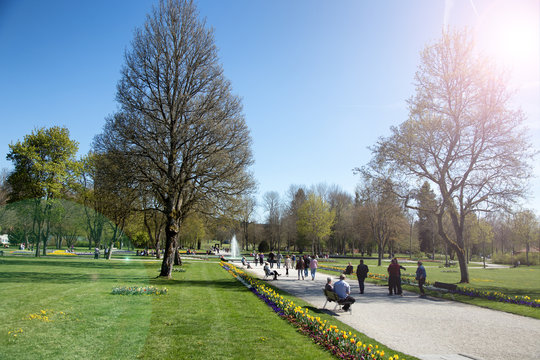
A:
(320, 80)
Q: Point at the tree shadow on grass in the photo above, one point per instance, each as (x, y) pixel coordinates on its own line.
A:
(187, 284)
(65, 278)
(80, 263)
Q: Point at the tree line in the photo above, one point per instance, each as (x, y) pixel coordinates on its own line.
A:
(175, 159)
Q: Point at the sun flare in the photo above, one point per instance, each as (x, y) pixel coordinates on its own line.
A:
(510, 31)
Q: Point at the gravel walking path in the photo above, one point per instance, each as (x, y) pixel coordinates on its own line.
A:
(428, 328)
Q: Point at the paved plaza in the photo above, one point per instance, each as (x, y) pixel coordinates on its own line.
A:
(430, 328)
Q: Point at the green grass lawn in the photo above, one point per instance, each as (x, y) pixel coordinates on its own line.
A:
(524, 280)
(62, 308)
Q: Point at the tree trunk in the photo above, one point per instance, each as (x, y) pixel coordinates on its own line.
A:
(464, 270)
(171, 233)
(156, 245)
(177, 259)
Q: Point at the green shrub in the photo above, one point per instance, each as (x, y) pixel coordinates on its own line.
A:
(508, 259)
(263, 246)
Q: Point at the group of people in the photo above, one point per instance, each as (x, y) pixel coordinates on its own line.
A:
(394, 278)
(306, 264)
(343, 289)
(272, 259)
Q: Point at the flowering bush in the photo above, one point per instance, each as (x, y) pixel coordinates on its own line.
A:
(138, 290)
(342, 344)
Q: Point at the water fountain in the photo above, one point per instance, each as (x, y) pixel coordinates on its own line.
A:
(235, 251)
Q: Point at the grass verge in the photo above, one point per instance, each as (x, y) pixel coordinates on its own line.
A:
(62, 308)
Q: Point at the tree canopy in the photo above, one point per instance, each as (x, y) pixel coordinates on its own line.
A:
(462, 136)
(180, 133)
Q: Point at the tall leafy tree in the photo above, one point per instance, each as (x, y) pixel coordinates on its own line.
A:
(315, 220)
(297, 197)
(45, 166)
(93, 199)
(526, 229)
(179, 131)
(462, 136)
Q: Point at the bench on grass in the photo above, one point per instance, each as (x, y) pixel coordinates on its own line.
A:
(445, 286)
(333, 297)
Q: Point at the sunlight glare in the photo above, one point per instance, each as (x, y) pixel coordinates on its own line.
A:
(510, 32)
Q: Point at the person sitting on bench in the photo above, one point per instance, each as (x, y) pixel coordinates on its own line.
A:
(328, 286)
(343, 290)
(349, 269)
(269, 272)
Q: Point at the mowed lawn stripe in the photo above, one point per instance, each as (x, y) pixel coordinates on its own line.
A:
(209, 314)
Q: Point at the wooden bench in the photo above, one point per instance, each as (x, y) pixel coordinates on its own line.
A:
(445, 286)
(333, 297)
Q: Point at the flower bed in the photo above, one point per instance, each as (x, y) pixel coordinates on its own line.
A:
(140, 290)
(342, 344)
(62, 252)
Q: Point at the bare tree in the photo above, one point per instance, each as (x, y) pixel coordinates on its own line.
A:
(461, 136)
(383, 210)
(272, 205)
(180, 130)
(247, 208)
(342, 204)
(296, 197)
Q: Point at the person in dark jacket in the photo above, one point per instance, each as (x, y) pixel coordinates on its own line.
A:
(421, 277)
(300, 266)
(394, 278)
(362, 271)
(349, 269)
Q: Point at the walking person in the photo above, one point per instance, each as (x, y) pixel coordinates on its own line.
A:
(421, 277)
(287, 265)
(279, 258)
(306, 265)
(362, 271)
(300, 267)
(261, 259)
(255, 258)
(313, 264)
(271, 259)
